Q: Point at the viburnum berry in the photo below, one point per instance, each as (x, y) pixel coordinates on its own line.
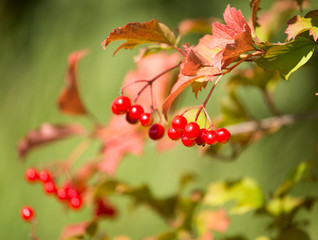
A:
(191, 130)
(31, 174)
(121, 105)
(134, 112)
(210, 137)
(27, 213)
(49, 187)
(71, 192)
(145, 119)
(45, 176)
(61, 194)
(200, 139)
(222, 135)
(75, 202)
(187, 142)
(130, 120)
(179, 122)
(173, 134)
(156, 131)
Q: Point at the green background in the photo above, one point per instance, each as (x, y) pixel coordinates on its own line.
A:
(35, 40)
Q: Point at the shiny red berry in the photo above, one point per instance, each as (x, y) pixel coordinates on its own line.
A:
(173, 134)
(130, 120)
(179, 122)
(121, 105)
(145, 119)
(222, 135)
(210, 137)
(75, 202)
(156, 131)
(31, 175)
(49, 187)
(200, 139)
(61, 194)
(45, 176)
(134, 112)
(27, 213)
(187, 142)
(191, 130)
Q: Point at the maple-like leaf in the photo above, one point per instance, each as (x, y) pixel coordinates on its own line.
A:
(119, 137)
(69, 100)
(298, 25)
(139, 33)
(286, 57)
(232, 39)
(45, 134)
(196, 25)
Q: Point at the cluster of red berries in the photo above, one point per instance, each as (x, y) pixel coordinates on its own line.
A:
(135, 113)
(191, 133)
(67, 194)
(27, 213)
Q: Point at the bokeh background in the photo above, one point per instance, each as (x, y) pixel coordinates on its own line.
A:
(35, 40)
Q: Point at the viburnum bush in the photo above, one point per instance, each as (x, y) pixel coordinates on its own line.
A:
(146, 110)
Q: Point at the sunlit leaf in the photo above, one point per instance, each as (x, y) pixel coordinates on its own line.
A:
(286, 57)
(245, 194)
(139, 33)
(284, 205)
(69, 100)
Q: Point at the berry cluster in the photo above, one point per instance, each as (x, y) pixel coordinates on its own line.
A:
(67, 194)
(135, 113)
(191, 133)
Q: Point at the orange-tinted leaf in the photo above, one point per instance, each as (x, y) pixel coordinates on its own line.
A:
(139, 33)
(197, 25)
(298, 24)
(197, 86)
(73, 231)
(254, 8)
(205, 75)
(69, 100)
(119, 138)
(45, 134)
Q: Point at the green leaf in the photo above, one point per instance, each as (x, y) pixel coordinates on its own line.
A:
(293, 234)
(286, 57)
(245, 193)
(284, 205)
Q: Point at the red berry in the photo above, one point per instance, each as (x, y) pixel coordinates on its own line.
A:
(156, 131)
(200, 139)
(130, 120)
(27, 213)
(31, 174)
(121, 105)
(210, 137)
(191, 130)
(222, 135)
(179, 122)
(71, 192)
(75, 202)
(62, 194)
(145, 119)
(134, 112)
(45, 176)
(50, 187)
(187, 142)
(173, 134)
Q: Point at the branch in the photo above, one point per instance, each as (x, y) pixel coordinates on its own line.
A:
(270, 124)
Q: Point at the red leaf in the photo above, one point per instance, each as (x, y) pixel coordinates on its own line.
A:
(139, 33)
(45, 134)
(231, 39)
(254, 4)
(69, 100)
(73, 231)
(119, 138)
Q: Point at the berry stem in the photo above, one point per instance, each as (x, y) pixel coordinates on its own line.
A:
(33, 230)
(270, 102)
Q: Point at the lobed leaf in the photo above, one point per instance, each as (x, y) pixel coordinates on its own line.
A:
(69, 100)
(47, 133)
(286, 57)
(139, 33)
(298, 25)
